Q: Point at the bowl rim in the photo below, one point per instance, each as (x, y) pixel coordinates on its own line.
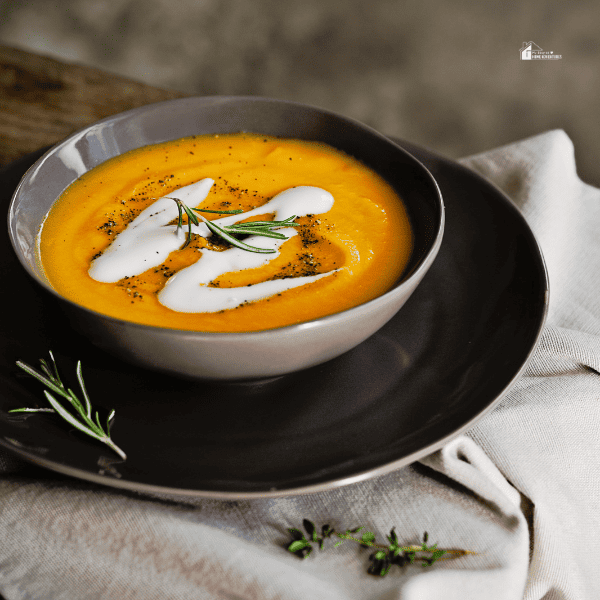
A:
(235, 336)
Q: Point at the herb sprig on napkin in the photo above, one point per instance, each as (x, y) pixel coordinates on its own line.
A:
(385, 555)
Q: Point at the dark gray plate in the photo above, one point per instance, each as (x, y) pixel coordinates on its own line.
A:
(450, 354)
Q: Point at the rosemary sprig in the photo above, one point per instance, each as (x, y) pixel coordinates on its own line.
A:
(84, 422)
(385, 555)
(262, 228)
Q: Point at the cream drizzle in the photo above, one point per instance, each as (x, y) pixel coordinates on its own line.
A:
(149, 239)
(188, 291)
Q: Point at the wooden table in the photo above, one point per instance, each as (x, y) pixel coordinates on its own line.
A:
(42, 100)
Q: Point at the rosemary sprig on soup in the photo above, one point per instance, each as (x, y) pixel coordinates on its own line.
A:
(237, 232)
(262, 228)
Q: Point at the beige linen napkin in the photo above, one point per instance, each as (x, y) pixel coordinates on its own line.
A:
(521, 489)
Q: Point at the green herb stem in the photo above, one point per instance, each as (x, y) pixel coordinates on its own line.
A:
(84, 421)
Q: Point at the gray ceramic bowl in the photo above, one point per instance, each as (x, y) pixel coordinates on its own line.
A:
(229, 356)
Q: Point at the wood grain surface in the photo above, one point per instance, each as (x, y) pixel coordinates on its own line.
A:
(42, 100)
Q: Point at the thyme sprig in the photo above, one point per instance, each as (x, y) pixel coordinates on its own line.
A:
(83, 422)
(227, 232)
(385, 555)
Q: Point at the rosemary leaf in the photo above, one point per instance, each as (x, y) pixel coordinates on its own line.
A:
(257, 231)
(88, 404)
(41, 378)
(237, 211)
(234, 241)
(31, 410)
(287, 223)
(70, 418)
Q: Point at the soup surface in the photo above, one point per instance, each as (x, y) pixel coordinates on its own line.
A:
(112, 242)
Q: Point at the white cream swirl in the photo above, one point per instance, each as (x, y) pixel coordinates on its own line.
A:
(149, 239)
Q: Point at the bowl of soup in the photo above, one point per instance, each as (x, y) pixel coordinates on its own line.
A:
(227, 238)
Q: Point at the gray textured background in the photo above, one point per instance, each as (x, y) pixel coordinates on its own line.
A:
(446, 75)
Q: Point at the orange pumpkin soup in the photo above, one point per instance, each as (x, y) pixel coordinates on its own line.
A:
(114, 243)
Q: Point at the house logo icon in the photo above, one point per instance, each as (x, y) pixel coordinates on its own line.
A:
(527, 49)
(531, 51)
